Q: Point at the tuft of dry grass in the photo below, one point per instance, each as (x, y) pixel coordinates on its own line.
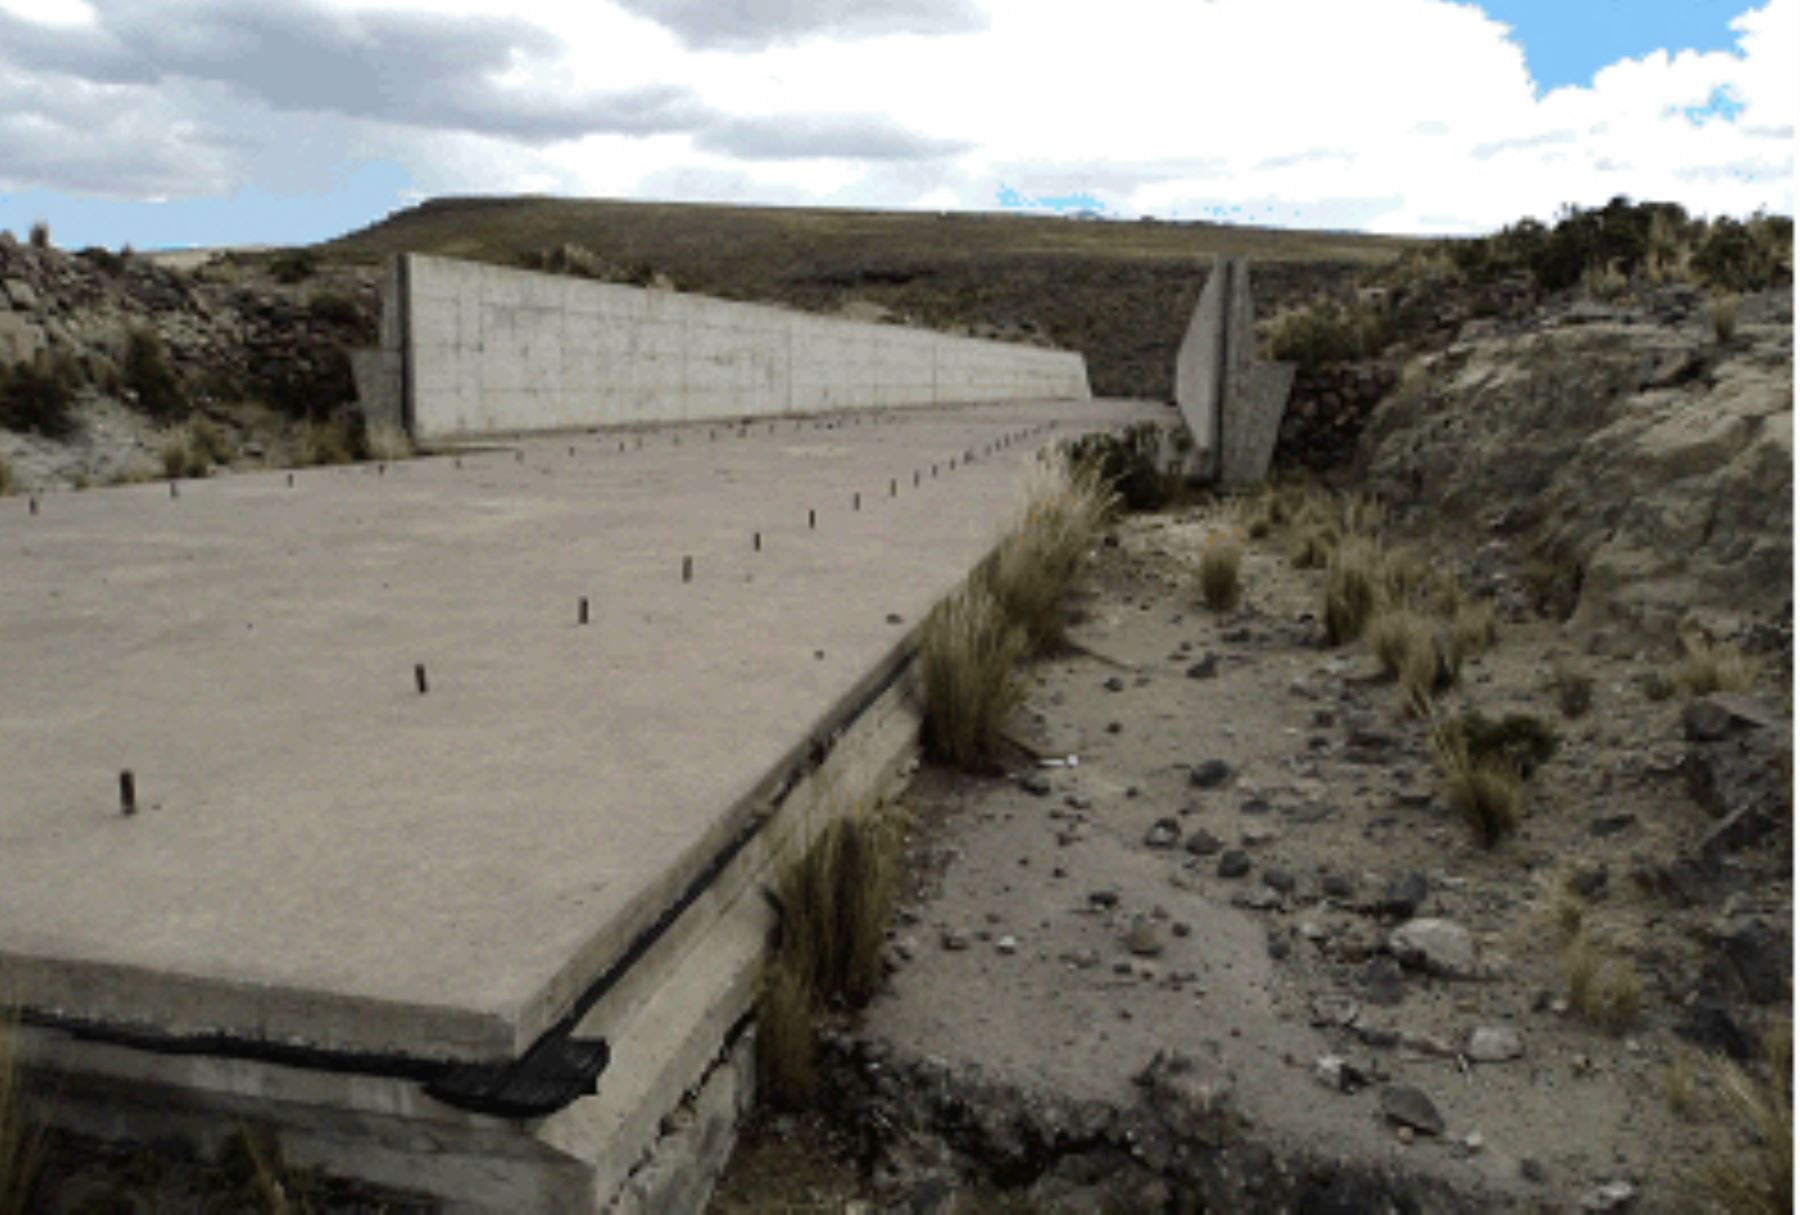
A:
(1722, 317)
(207, 445)
(969, 655)
(787, 1064)
(1352, 591)
(1485, 791)
(1573, 687)
(6, 477)
(390, 442)
(326, 443)
(1220, 588)
(1312, 547)
(1757, 1178)
(1405, 575)
(1400, 634)
(1604, 987)
(1037, 563)
(1680, 1081)
(20, 1148)
(1474, 628)
(1709, 668)
(177, 460)
(833, 904)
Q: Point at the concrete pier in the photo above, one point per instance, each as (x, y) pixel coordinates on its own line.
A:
(480, 931)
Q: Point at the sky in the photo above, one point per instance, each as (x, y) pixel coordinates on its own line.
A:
(166, 123)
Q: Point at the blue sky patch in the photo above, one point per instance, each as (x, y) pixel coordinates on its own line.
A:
(1567, 41)
(1060, 204)
(1720, 103)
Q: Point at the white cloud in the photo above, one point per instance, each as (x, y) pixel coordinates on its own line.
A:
(1405, 115)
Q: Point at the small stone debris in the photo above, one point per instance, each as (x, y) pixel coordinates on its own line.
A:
(1007, 945)
(1103, 900)
(1406, 1106)
(1210, 774)
(1611, 1196)
(1203, 843)
(1383, 983)
(1334, 1010)
(954, 941)
(1143, 940)
(1339, 1074)
(1403, 896)
(1206, 668)
(1494, 1044)
(1165, 833)
(1278, 880)
(1035, 783)
(1442, 948)
(1234, 863)
(1114, 684)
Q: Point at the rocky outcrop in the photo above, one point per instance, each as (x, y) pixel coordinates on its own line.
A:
(1624, 447)
(232, 333)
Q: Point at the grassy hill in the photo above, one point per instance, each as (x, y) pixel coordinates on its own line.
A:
(1120, 292)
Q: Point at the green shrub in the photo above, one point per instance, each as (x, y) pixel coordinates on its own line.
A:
(148, 372)
(1327, 331)
(1523, 741)
(36, 397)
(293, 266)
(335, 308)
(1127, 462)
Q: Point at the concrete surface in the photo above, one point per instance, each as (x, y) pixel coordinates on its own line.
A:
(1232, 404)
(494, 350)
(322, 855)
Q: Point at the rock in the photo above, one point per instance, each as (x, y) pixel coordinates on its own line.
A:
(1206, 668)
(1143, 940)
(1103, 900)
(1234, 863)
(19, 294)
(1164, 833)
(1612, 1196)
(1115, 684)
(1494, 1044)
(1604, 825)
(1722, 714)
(1279, 880)
(1383, 982)
(1335, 1011)
(1255, 806)
(1191, 1094)
(1406, 1106)
(1590, 881)
(1210, 774)
(1438, 947)
(1709, 1025)
(1203, 843)
(1533, 1170)
(1259, 899)
(955, 941)
(1035, 783)
(1338, 1074)
(1403, 895)
(1337, 886)
(1760, 955)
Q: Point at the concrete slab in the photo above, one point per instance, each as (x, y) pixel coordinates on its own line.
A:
(323, 856)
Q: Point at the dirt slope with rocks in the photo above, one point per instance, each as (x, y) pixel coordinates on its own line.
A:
(250, 353)
(1639, 460)
(1217, 937)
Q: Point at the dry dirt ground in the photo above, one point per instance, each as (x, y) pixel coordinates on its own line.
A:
(1123, 894)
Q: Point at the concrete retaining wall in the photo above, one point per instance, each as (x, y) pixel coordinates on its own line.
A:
(493, 350)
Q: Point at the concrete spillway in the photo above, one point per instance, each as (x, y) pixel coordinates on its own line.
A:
(477, 938)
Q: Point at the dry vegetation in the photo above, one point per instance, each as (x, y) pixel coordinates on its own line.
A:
(1220, 587)
(969, 655)
(1756, 1104)
(832, 904)
(1708, 668)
